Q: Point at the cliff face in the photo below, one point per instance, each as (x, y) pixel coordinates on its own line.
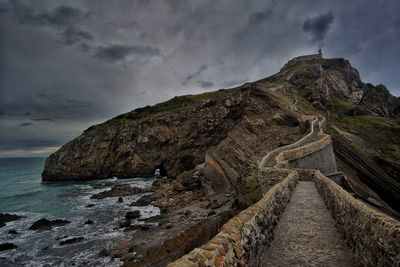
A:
(221, 133)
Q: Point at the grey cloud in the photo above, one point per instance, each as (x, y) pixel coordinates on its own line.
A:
(194, 75)
(319, 26)
(24, 124)
(2, 10)
(72, 35)
(118, 52)
(58, 17)
(233, 83)
(206, 84)
(45, 119)
(260, 17)
(124, 24)
(62, 100)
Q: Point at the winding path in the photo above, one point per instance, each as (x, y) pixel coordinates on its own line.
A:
(306, 234)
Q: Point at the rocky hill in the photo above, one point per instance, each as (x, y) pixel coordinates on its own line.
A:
(208, 147)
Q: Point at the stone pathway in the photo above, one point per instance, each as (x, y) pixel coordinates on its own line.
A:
(306, 234)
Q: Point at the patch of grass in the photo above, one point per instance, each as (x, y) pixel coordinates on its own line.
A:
(382, 133)
(174, 104)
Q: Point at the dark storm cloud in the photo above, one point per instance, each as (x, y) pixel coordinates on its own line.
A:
(319, 26)
(118, 52)
(73, 35)
(58, 17)
(63, 18)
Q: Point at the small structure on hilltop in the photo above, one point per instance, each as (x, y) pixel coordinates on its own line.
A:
(309, 57)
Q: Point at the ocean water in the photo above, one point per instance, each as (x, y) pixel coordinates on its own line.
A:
(22, 192)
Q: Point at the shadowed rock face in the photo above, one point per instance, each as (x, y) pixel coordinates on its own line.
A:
(130, 145)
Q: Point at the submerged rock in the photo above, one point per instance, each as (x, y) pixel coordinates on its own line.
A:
(45, 224)
(71, 240)
(7, 246)
(119, 191)
(132, 215)
(12, 232)
(124, 223)
(89, 222)
(143, 201)
(5, 218)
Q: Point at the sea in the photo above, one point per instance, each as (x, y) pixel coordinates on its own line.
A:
(22, 192)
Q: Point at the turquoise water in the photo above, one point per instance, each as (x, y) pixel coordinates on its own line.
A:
(22, 192)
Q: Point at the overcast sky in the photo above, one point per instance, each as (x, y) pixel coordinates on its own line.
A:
(65, 65)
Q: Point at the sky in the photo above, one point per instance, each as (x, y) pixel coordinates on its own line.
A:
(66, 65)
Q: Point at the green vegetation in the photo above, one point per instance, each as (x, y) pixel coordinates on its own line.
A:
(174, 104)
(383, 133)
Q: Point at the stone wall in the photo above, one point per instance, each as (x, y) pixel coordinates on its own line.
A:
(270, 159)
(322, 159)
(245, 235)
(373, 236)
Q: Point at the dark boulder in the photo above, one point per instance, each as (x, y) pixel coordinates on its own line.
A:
(143, 201)
(5, 218)
(132, 215)
(89, 222)
(119, 191)
(7, 246)
(71, 240)
(124, 223)
(45, 224)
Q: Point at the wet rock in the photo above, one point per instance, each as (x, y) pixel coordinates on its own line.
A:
(5, 218)
(188, 212)
(103, 253)
(72, 240)
(124, 223)
(211, 212)
(12, 232)
(120, 200)
(62, 237)
(169, 225)
(143, 201)
(7, 246)
(132, 215)
(145, 227)
(119, 191)
(89, 205)
(89, 222)
(45, 224)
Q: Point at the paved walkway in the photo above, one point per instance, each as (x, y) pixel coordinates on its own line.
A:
(306, 234)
